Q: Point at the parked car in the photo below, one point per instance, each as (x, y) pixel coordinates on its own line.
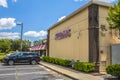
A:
(22, 57)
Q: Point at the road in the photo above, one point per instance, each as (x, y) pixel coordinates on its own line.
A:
(28, 72)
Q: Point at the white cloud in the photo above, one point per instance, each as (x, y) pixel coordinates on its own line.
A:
(14, 1)
(41, 33)
(61, 18)
(7, 23)
(108, 1)
(9, 35)
(3, 3)
(31, 34)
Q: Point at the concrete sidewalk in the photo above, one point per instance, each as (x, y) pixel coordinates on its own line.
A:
(75, 75)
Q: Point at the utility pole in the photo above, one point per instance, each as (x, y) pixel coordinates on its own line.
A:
(21, 24)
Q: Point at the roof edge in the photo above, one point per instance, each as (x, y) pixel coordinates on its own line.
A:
(80, 9)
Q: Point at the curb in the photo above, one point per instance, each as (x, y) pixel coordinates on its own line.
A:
(60, 72)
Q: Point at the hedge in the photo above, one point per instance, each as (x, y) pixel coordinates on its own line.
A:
(84, 66)
(114, 70)
(81, 66)
(3, 55)
(58, 61)
(1, 58)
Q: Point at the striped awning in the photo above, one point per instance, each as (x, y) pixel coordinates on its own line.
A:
(38, 47)
(43, 47)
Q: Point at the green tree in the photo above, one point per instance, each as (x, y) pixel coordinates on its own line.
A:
(7, 45)
(15, 45)
(4, 45)
(36, 42)
(26, 45)
(114, 16)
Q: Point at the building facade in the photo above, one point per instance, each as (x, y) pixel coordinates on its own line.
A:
(84, 36)
(40, 48)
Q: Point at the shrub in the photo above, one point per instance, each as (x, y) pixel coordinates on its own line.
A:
(81, 66)
(45, 58)
(1, 54)
(84, 66)
(114, 70)
(51, 60)
(58, 61)
(1, 58)
(64, 62)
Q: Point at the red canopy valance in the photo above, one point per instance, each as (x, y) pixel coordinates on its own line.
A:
(38, 47)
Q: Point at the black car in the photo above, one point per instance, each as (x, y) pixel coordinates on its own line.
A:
(22, 57)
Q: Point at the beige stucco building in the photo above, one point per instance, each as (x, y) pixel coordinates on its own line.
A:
(83, 35)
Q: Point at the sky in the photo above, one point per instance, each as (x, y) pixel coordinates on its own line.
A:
(37, 16)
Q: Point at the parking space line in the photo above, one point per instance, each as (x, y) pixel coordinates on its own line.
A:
(7, 66)
(7, 69)
(16, 76)
(19, 68)
(20, 74)
(11, 74)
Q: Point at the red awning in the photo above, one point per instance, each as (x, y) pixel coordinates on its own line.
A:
(43, 47)
(38, 47)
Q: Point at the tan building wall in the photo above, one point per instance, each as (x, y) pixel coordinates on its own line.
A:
(76, 46)
(104, 37)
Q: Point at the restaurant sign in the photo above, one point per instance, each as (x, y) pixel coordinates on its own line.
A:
(63, 34)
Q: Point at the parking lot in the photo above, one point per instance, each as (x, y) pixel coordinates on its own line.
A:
(28, 72)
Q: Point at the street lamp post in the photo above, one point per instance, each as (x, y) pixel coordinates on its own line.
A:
(21, 24)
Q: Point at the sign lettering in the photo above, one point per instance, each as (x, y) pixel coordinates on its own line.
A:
(63, 34)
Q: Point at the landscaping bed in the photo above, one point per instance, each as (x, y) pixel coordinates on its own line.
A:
(80, 66)
(114, 71)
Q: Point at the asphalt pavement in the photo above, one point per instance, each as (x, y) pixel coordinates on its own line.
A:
(29, 72)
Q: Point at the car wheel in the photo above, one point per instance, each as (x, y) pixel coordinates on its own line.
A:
(10, 62)
(33, 62)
